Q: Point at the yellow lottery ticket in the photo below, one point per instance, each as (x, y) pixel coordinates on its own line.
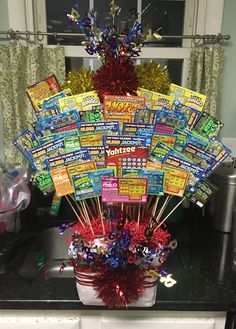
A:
(80, 102)
(187, 97)
(156, 101)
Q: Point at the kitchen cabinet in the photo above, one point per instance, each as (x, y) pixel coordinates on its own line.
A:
(110, 320)
(38, 322)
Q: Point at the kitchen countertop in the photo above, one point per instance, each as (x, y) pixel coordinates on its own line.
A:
(200, 265)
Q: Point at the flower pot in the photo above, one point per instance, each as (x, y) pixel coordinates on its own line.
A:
(88, 295)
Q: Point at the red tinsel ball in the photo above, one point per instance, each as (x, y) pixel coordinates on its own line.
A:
(116, 77)
(120, 287)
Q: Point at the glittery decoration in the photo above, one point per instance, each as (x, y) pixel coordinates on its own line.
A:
(108, 42)
(79, 81)
(119, 287)
(120, 263)
(153, 76)
(124, 244)
(115, 77)
(114, 10)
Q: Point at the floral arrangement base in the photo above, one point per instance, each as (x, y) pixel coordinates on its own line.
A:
(88, 295)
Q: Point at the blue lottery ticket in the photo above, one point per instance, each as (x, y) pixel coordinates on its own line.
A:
(191, 115)
(124, 140)
(59, 121)
(145, 116)
(26, 141)
(38, 155)
(97, 153)
(105, 127)
(89, 184)
(171, 118)
(66, 159)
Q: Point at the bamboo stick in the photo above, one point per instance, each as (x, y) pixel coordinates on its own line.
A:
(139, 208)
(168, 198)
(77, 215)
(78, 207)
(101, 215)
(87, 217)
(170, 213)
(154, 208)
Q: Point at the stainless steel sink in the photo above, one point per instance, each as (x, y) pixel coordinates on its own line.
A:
(54, 246)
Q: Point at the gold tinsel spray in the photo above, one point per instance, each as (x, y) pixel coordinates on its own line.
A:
(79, 81)
(153, 76)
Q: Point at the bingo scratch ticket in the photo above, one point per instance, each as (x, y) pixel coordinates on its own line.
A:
(188, 97)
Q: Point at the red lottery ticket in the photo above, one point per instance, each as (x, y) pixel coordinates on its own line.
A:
(125, 157)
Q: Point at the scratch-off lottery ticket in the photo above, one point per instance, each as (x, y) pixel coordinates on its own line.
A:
(156, 100)
(41, 90)
(176, 180)
(117, 189)
(122, 108)
(129, 157)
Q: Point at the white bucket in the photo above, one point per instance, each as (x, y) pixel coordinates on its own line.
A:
(88, 295)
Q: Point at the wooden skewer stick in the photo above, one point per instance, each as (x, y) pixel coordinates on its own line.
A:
(163, 207)
(89, 210)
(171, 212)
(77, 215)
(87, 217)
(139, 208)
(78, 208)
(143, 211)
(94, 205)
(133, 211)
(81, 206)
(154, 208)
(129, 211)
(101, 215)
(102, 208)
(149, 201)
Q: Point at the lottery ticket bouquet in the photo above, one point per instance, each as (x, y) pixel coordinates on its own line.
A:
(119, 154)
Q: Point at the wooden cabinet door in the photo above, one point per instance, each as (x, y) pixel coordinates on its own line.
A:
(175, 323)
(39, 322)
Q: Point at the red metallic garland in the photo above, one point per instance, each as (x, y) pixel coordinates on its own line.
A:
(116, 77)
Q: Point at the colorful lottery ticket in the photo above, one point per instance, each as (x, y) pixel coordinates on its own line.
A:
(119, 157)
(67, 159)
(41, 90)
(156, 100)
(80, 102)
(118, 189)
(187, 97)
(122, 140)
(208, 126)
(122, 108)
(89, 184)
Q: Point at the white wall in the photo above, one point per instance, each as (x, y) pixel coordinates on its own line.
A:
(4, 22)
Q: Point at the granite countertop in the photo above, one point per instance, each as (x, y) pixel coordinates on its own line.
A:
(201, 266)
